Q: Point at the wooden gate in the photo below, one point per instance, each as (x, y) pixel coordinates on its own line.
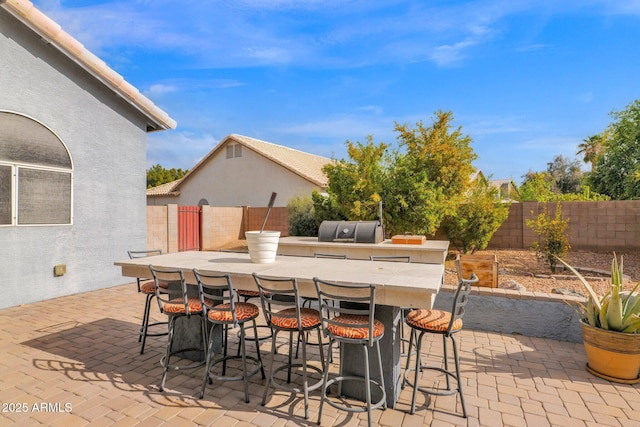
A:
(189, 219)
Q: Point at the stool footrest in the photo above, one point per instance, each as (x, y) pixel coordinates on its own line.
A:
(236, 378)
(376, 405)
(154, 334)
(284, 367)
(432, 391)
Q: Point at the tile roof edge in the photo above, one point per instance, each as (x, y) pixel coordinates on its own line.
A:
(45, 27)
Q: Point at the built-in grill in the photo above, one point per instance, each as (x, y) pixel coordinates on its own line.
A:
(351, 231)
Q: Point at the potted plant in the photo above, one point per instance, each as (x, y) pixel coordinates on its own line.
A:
(611, 328)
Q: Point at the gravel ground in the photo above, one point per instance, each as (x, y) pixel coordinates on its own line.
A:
(526, 269)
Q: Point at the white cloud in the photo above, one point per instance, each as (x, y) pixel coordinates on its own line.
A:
(157, 90)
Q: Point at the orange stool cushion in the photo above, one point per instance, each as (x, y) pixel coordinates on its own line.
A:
(248, 294)
(432, 320)
(358, 327)
(176, 306)
(309, 317)
(244, 311)
(150, 288)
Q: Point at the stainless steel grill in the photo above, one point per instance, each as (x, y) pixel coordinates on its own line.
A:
(351, 231)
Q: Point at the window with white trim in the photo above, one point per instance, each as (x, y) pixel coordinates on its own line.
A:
(36, 174)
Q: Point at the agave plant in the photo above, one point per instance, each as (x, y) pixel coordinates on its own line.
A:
(617, 310)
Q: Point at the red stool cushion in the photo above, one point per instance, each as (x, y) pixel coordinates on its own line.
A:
(432, 320)
(358, 327)
(244, 311)
(308, 316)
(176, 306)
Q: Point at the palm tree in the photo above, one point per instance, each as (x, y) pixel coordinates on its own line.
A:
(591, 147)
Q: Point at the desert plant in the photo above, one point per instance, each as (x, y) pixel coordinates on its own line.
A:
(553, 242)
(617, 310)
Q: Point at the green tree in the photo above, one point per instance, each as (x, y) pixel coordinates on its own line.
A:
(428, 176)
(158, 175)
(540, 187)
(537, 186)
(354, 186)
(478, 218)
(617, 169)
(566, 174)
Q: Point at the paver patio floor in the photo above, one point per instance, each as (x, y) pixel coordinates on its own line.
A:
(75, 361)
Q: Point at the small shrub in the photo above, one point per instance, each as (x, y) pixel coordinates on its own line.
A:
(553, 242)
(477, 219)
(301, 216)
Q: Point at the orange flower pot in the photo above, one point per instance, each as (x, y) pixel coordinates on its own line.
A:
(614, 356)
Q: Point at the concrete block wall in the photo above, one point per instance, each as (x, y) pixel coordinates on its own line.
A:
(605, 226)
(225, 225)
(600, 226)
(277, 220)
(157, 227)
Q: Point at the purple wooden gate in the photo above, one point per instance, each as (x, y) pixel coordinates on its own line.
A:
(189, 228)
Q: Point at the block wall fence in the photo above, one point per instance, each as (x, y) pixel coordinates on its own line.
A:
(599, 226)
(220, 225)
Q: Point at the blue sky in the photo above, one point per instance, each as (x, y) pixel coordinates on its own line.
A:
(526, 79)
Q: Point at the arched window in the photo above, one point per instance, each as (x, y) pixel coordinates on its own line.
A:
(36, 173)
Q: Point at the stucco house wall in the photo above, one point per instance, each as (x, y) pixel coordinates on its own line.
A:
(106, 139)
(244, 171)
(242, 181)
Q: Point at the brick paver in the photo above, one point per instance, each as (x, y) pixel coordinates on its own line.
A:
(71, 362)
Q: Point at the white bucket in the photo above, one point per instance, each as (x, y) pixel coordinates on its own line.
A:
(263, 246)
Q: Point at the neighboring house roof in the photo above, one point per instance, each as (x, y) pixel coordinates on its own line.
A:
(52, 33)
(507, 188)
(166, 189)
(308, 166)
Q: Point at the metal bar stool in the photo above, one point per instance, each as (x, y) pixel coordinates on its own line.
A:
(307, 301)
(148, 288)
(347, 313)
(397, 258)
(275, 292)
(247, 295)
(183, 306)
(447, 324)
(218, 300)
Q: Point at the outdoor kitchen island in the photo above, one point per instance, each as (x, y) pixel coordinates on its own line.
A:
(398, 285)
(429, 252)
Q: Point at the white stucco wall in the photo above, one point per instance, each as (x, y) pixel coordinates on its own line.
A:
(107, 142)
(240, 181)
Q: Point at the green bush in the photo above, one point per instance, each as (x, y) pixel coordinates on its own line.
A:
(553, 242)
(301, 216)
(477, 219)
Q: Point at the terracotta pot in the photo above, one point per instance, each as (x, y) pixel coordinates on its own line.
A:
(612, 355)
(263, 246)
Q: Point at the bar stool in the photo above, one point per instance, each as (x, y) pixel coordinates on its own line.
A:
(309, 300)
(183, 306)
(446, 324)
(147, 287)
(218, 300)
(397, 258)
(347, 313)
(247, 295)
(295, 319)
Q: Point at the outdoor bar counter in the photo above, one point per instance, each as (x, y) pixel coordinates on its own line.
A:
(429, 252)
(398, 285)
